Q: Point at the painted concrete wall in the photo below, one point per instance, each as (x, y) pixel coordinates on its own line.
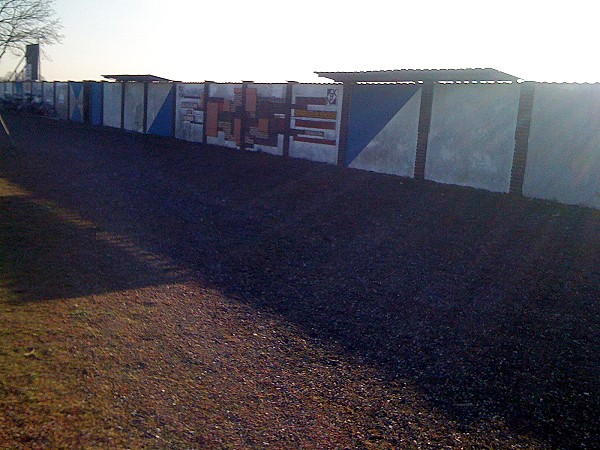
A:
(76, 101)
(189, 113)
(49, 93)
(382, 128)
(133, 119)
(160, 109)
(223, 115)
(62, 98)
(36, 88)
(266, 117)
(111, 105)
(471, 140)
(96, 103)
(563, 159)
(18, 88)
(315, 124)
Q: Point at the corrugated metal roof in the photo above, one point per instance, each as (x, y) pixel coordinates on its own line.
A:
(416, 75)
(148, 78)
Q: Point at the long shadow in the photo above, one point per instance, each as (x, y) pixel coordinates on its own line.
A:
(488, 303)
(46, 256)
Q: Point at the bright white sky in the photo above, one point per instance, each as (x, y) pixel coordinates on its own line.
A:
(264, 40)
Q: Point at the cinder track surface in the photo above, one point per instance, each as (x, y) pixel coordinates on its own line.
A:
(159, 294)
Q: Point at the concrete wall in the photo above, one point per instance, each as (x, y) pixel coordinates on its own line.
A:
(159, 114)
(36, 88)
(76, 101)
(266, 117)
(62, 99)
(189, 113)
(49, 93)
(471, 140)
(111, 104)
(472, 135)
(96, 103)
(382, 128)
(563, 159)
(223, 115)
(18, 88)
(133, 119)
(315, 124)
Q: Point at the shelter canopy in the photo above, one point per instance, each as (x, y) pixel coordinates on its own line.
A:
(141, 78)
(416, 75)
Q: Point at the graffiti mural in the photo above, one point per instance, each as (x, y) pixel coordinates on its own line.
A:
(266, 118)
(189, 123)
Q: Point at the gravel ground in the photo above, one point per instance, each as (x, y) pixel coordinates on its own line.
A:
(212, 298)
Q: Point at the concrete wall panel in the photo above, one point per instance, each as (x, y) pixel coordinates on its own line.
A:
(49, 93)
(382, 128)
(133, 119)
(36, 88)
(8, 89)
(189, 120)
(563, 159)
(96, 103)
(315, 122)
(223, 115)
(76, 101)
(160, 109)
(472, 135)
(266, 117)
(111, 104)
(62, 98)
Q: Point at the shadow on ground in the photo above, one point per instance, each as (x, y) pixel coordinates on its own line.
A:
(46, 256)
(488, 303)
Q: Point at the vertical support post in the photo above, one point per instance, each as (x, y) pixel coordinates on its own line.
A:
(68, 100)
(205, 97)
(145, 118)
(87, 102)
(243, 117)
(423, 130)
(348, 89)
(517, 174)
(174, 90)
(102, 103)
(289, 96)
(123, 84)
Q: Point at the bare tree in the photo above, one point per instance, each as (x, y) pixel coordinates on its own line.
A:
(25, 22)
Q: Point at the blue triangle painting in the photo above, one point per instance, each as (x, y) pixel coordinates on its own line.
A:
(371, 108)
(76, 114)
(77, 88)
(163, 122)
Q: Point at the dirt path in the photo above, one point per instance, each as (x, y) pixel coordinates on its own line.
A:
(158, 294)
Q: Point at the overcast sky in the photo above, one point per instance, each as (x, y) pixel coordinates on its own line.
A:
(194, 40)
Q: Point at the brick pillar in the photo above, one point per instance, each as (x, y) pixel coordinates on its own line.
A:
(145, 118)
(343, 138)
(205, 96)
(289, 90)
(423, 131)
(244, 115)
(519, 161)
(87, 102)
(123, 85)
